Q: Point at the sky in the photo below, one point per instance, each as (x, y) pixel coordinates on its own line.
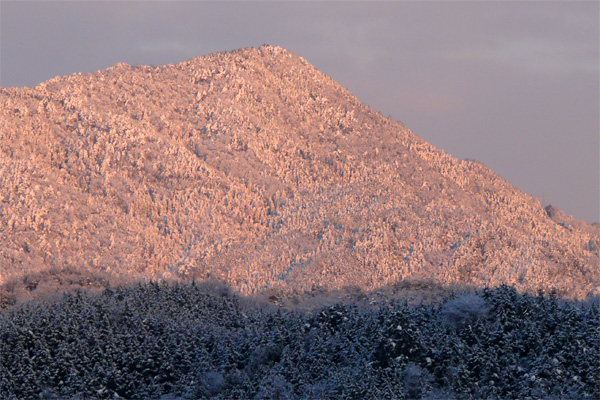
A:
(514, 85)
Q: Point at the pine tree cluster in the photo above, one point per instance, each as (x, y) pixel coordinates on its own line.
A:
(160, 341)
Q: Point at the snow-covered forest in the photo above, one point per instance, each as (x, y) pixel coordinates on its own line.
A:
(253, 168)
(240, 226)
(160, 341)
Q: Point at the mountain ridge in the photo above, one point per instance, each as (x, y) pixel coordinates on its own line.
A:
(253, 168)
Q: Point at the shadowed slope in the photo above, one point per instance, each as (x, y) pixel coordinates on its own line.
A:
(254, 168)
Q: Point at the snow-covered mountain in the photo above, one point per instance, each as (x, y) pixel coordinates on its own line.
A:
(253, 168)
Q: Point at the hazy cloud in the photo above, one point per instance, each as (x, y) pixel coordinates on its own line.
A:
(538, 56)
(168, 47)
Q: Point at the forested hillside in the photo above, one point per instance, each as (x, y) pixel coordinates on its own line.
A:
(253, 168)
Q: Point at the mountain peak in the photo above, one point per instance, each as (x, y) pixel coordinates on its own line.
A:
(253, 168)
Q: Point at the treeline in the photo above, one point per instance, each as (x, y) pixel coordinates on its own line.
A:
(159, 341)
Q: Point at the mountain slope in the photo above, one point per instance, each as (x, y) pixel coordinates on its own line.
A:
(253, 168)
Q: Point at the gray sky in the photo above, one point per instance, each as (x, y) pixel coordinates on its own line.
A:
(514, 85)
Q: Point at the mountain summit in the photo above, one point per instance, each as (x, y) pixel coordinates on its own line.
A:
(255, 169)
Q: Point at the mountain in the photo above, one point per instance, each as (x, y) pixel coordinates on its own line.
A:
(255, 169)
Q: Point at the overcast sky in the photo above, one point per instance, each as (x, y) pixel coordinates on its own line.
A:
(514, 85)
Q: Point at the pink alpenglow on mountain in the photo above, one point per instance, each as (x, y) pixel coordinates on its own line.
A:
(253, 168)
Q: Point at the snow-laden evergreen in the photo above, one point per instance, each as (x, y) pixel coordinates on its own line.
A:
(197, 341)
